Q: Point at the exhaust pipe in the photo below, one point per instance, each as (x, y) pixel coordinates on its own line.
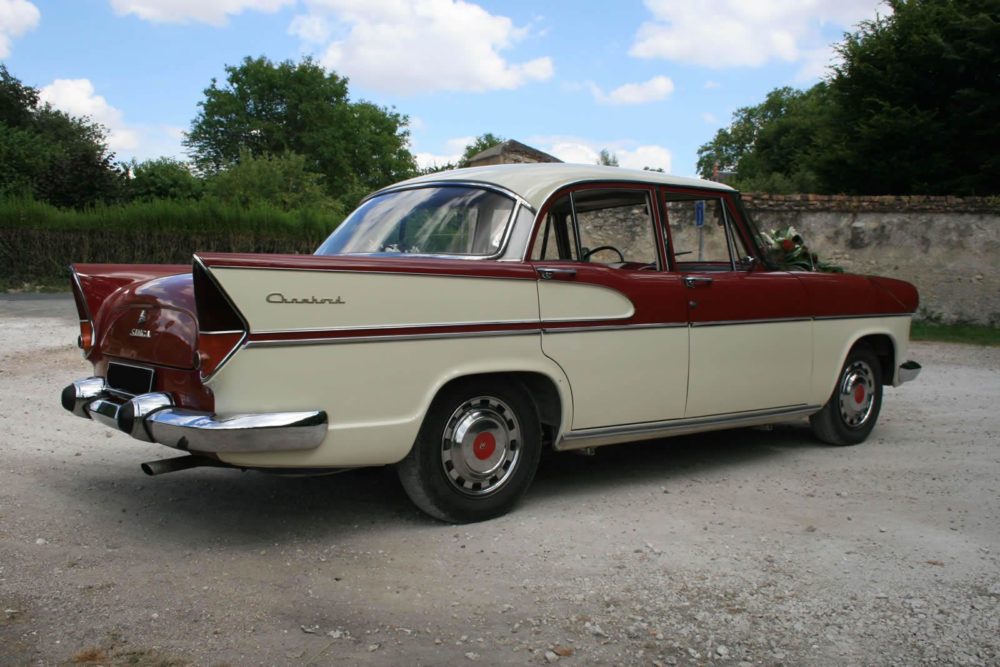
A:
(163, 466)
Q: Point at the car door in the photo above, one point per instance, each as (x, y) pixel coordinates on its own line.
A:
(751, 331)
(612, 316)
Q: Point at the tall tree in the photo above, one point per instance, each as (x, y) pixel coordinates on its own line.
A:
(918, 94)
(607, 158)
(50, 155)
(267, 108)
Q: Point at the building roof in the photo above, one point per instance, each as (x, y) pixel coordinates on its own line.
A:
(512, 146)
(535, 182)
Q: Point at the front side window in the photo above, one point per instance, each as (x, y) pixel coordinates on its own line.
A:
(443, 220)
(610, 227)
(701, 232)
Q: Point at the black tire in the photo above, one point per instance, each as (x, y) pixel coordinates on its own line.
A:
(850, 414)
(476, 453)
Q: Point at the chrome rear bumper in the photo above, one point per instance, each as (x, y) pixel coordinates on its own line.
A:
(154, 418)
(909, 371)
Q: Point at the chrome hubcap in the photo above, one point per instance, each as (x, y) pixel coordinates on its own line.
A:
(857, 394)
(481, 445)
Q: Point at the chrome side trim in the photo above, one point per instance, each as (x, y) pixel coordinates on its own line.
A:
(616, 327)
(223, 267)
(859, 317)
(610, 435)
(729, 323)
(394, 327)
(909, 370)
(191, 430)
(392, 338)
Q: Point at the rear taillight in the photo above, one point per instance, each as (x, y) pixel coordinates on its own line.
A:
(86, 339)
(221, 328)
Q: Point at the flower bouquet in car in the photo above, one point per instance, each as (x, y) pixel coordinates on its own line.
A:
(787, 250)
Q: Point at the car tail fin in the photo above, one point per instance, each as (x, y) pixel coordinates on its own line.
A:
(221, 326)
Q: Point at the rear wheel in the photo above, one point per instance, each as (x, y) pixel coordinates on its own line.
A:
(476, 452)
(850, 414)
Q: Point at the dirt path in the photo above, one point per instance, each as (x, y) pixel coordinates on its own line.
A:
(744, 547)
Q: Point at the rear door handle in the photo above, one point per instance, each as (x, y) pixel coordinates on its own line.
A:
(552, 273)
(694, 281)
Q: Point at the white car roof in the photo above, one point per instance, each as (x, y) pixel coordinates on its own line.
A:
(535, 182)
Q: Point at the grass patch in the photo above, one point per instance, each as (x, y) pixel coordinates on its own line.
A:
(972, 334)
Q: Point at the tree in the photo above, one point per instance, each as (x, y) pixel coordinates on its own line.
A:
(607, 158)
(162, 178)
(265, 108)
(49, 155)
(918, 100)
(911, 108)
(280, 180)
(479, 144)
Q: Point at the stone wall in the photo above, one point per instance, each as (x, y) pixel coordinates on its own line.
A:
(949, 247)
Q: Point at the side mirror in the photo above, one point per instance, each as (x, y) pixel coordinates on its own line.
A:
(748, 262)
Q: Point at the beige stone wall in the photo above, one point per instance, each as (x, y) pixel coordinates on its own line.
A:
(949, 247)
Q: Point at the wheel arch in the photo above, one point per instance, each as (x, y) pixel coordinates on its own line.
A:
(554, 406)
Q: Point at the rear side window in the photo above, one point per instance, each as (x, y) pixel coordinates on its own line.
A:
(613, 227)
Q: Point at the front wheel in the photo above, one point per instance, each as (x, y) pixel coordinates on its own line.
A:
(850, 414)
(476, 452)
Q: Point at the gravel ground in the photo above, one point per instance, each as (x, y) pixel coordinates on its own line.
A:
(740, 548)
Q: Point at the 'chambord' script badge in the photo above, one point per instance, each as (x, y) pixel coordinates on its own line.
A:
(278, 297)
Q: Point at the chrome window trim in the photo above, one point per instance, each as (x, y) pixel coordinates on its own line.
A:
(610, 435)
(518, 200)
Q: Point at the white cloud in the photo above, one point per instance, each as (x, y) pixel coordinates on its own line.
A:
(453, 151)
(656, 89)
(16, 18)
(213, 12)
(709, 118)
(77, 97)
(733, 33)
(417, 46)
(711, 85)
(577, 150)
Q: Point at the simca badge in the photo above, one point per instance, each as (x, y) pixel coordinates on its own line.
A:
(140, 333)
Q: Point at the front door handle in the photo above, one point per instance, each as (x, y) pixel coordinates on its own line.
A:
(553, 273)
(693, 281)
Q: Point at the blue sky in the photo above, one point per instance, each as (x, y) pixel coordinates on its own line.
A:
(651, 81)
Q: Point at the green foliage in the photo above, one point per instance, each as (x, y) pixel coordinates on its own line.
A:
(918, 98)
(911, 109)
(38, 240)
(162, 178)
(607, 158)
(283, 181)
(272, 109)
(480, 144)
(973, 334)
(50, 155)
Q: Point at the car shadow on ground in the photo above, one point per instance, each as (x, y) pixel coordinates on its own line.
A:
(230, 508)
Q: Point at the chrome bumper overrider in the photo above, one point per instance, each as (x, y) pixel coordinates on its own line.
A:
(154, 418)
(908, 371)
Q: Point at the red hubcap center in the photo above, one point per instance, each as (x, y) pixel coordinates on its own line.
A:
(484, 446)
(859, 394)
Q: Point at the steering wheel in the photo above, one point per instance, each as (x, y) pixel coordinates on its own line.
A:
(588, 253)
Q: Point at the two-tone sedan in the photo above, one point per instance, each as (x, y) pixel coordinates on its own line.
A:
(458, 323)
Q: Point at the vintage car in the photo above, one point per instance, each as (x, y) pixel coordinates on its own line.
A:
(457, 324)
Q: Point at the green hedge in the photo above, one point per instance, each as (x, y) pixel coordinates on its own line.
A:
(38, 241)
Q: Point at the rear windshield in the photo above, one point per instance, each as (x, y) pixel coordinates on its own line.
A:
(442, 220)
